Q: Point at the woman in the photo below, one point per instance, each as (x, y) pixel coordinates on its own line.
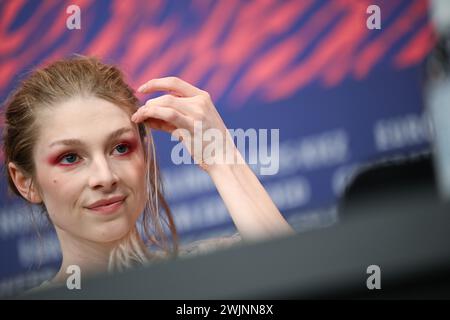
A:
(76, 144)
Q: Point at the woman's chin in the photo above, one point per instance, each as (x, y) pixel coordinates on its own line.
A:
(112, 231)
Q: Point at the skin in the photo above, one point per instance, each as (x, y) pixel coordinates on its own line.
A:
(69, 178)
(252, 210)
(86, 238)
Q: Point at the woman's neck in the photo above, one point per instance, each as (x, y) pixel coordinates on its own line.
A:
(91, 257)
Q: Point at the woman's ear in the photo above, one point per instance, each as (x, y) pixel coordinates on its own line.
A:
(24, 184)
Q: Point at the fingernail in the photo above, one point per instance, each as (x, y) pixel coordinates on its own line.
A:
(141, 88)
(133, 117)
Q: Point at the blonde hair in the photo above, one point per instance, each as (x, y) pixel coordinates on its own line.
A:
(87, 76)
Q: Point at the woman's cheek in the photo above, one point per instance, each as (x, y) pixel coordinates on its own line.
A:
(131, 170)
(133, 174)
(135, 161)
(62, 187)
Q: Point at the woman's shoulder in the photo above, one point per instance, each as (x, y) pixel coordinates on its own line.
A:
(209, 245)
(199, 247)
(44, 285)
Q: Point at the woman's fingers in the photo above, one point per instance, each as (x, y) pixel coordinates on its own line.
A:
(171, 84)
(169, 115)
(185, 106)
(178, 111)
(160, 125)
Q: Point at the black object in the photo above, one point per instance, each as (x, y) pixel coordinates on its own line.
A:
(390, 179)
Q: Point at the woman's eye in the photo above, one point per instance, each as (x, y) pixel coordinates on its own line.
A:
(69, 158)
(122, 148)
(72, 158)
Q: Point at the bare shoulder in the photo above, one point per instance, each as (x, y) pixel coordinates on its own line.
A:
(43, 286)
(209, 245)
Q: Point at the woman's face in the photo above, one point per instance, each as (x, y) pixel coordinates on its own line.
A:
(89, 150)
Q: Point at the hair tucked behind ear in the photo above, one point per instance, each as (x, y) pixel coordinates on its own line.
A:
(87, 76)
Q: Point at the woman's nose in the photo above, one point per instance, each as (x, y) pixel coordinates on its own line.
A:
(101, 176)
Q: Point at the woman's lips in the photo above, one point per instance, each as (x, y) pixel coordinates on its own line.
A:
(109, 208)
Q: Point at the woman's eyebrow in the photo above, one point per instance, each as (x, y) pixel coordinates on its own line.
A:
(75, 142)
